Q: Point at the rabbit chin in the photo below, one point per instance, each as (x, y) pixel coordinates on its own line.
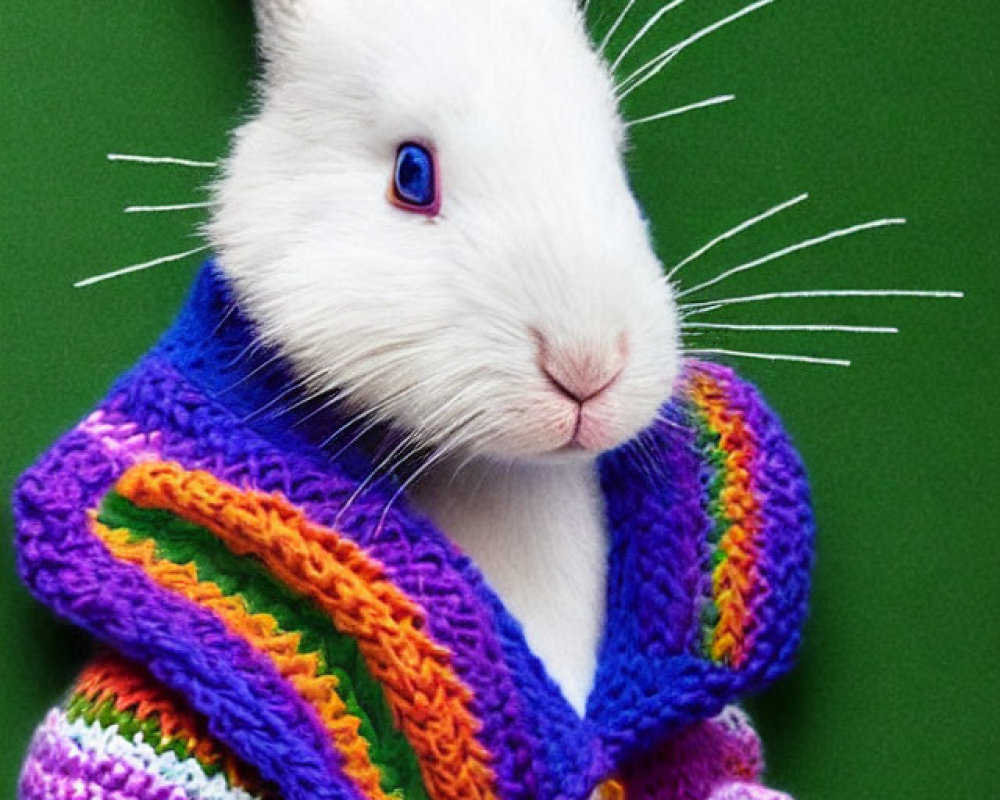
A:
(555, 430)
(568, 431)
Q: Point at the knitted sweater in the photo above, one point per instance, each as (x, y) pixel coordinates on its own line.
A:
(262, 641)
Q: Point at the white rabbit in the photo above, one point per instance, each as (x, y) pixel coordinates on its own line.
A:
(519, 323)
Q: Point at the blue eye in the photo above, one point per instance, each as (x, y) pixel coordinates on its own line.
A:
(415, 179)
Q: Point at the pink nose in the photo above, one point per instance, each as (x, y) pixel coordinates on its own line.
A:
(582, 374)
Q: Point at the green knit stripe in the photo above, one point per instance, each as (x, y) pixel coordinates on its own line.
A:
(708, 443)
(182, 542)
(106, 713)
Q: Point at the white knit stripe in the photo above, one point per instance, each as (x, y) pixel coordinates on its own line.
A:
(188, 774)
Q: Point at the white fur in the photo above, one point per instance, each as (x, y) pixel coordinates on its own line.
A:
(537, 531)
(434, 324)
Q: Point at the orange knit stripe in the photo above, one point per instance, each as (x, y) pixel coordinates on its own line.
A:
(111, 678)
(261, 632)
(430, 704)
(737, 576)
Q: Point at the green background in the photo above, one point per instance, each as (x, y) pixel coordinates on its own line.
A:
(877, 107)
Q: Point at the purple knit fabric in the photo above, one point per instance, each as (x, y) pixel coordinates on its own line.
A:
(197, 400)
(718, 759)
(57, 769)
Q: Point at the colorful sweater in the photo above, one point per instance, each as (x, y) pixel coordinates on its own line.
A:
(262, 641)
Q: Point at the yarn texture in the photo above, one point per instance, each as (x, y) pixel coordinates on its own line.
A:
(263, 638)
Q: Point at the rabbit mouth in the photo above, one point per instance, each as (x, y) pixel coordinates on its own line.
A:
(592, 429)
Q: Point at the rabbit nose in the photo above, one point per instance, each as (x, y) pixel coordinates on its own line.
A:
(582, 373)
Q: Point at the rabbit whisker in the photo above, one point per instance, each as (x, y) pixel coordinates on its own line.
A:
(490, 466)
(390, 356)
(340, 395)
(682, 314)
(223, 320)
(293, 387)
(411, 441)
(643, 458)
(334, 398)
(365, 430)
(642, 33)
(615, 26)
(388, 362)
(162, 160)
(734, 231)
(246, 352)
(690, 309)
(434, 459)
(652, 68)
(835, 362)
(162, 209)
(808, 243)
(139, 267)
(725, 326)
(372, 478)
(253, 373)
(674, 112)
(661, 419)
(377, 415)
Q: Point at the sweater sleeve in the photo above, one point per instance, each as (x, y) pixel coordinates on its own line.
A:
(717, 759)
(121, 735)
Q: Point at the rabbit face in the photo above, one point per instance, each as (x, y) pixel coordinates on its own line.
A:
(522, 314)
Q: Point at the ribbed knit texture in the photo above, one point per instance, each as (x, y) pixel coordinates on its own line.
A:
(264, 642)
